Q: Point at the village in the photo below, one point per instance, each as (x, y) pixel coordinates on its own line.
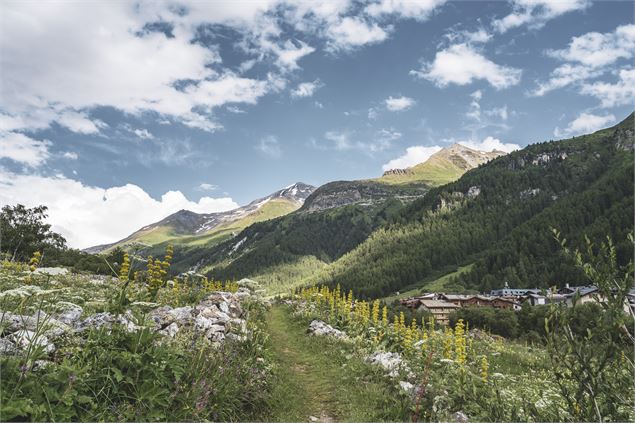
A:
(441, 305)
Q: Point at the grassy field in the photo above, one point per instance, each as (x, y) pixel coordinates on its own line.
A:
(433, 285)
(324, 378)
(433, 172)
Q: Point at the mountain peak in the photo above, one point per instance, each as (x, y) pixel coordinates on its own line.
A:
(297, 192)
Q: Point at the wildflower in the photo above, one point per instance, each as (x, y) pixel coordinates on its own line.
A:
(35, 261)
(124, 270)
(460, 347)
(484, 369)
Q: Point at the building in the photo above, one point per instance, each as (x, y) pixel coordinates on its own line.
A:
(440, 309)
(506, 291)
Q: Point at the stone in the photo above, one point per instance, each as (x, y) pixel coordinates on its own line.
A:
(24, 338)
(51, 271)
(181, 315)
(313, 419)
(7, 347)
(390, 361)
(96, 321)
(171, 330)
(320, 328)
(69, 313)
(461, 417)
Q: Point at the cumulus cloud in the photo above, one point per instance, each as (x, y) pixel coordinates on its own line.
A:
(419, 10)
(490, 144)
(595, 50)
(353, 32)
(270, 146)
(620, 93)
(93, 55)
(590, 56)
(396, 104)
(22, 149)
(461, 64)
(585, 123)
(413, 156)
(88, 215)
(71, 155)
(207, 187)
(306, 89)
(535, 13)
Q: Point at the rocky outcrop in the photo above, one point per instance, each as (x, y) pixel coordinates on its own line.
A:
(320, 328)
(399, 172)
(218, 317)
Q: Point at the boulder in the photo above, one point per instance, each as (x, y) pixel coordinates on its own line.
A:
(320, 328)
(68, 313)
(390, 361)
(96, 321)
(25, 338)
(7, 347)
(171, 330)
(51, 271)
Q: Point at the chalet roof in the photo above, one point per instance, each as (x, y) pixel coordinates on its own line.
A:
(438, 304)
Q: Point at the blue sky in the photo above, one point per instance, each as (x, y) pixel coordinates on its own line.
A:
(118, 114)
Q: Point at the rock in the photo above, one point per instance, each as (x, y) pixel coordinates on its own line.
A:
(69, 313)
(7, 347)
(474, 191)
(180, 315)
(460, 417)
(390, 361)
(161, 317)
(24, 338)
(320, 328)
(51, 271)
(171, 330)
(14, 322)
(313, 419)
(41, 365)
(96, 321)
(224, 307)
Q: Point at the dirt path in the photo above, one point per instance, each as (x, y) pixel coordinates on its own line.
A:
(320, 379)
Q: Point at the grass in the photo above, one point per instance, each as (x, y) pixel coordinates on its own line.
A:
(285, 277)
(324, 378)
(434, 172)
(434, 285)
(162, 235)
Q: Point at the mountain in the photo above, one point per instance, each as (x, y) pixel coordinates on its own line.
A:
(442, 167)
(494, 223)
(497, 220)
(188, 228)
(334, 219)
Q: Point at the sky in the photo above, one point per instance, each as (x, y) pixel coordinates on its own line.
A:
(117, 114)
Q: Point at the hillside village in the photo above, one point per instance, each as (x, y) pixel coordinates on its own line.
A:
(441, 305)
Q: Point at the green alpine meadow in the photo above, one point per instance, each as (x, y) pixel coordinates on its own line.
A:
(292, 211)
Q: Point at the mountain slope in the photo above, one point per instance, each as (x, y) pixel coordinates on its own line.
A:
(500, 216)
(442, 167)
(334, 219)
(188, 228)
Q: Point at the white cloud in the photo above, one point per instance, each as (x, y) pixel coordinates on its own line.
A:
(71, 155)
(413, 156)
(270, 146)
(610, 95)
(79, 122)
(535, 13)
(419, 10)
(143, 134)
(372, 113)
(565, 75)
(207, 187)
(585, 123)
(460, 64)
(480, 36)
(595, 50)
(234, 109)
(395, 104)
(490, 144)
(306, 89)
(353, 32)
(340, 140)
(91, 55)
(87, 215)
(23, 149)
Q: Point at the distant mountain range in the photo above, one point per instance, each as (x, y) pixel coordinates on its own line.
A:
(442, 167)
(189, 228)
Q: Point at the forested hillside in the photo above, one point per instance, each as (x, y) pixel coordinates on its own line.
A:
(500, 217)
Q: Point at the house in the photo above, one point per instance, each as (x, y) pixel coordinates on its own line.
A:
(457, 299)
(506, 291)
(440, 309)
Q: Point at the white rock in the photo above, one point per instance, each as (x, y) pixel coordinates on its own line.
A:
(24, 338)
(171, 330)
(7, 347)
(69, 313)
(51, 271)
(320, 328)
